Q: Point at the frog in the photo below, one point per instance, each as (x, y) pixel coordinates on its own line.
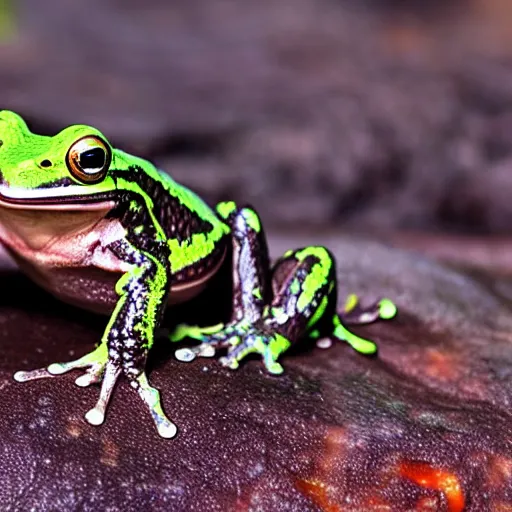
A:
(112, 233)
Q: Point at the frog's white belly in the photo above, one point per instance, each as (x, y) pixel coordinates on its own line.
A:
(65, 252)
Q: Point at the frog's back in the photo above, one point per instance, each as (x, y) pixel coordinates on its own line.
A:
(196, 236)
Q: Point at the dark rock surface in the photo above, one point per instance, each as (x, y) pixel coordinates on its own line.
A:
(424, 426)
(370, 114)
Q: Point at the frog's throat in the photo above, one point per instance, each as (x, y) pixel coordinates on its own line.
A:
(31, 227)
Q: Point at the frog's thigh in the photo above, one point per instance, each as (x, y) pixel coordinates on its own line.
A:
(303, 285)
(305, 295)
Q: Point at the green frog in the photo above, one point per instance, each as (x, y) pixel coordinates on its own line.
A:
(109, 232)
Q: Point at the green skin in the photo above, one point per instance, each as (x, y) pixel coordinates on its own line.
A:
(73, 206)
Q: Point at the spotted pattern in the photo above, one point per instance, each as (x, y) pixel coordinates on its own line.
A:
(143, 293)
(284, 314)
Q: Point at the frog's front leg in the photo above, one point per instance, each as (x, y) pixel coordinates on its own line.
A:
(251, 279)
(129, 335)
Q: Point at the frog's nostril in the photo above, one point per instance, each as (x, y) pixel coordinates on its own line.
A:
(46, 163)
(1, 143)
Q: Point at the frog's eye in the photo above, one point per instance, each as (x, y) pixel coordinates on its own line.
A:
(88, 159)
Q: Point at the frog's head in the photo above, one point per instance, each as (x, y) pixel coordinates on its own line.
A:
(71, 167)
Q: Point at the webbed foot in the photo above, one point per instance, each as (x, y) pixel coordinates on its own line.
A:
(241, 338)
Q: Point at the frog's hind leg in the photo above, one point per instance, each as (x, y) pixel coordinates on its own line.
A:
(305, 286)
(303, 283)
(271, 308)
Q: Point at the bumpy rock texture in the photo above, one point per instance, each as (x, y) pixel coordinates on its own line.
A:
(369, 114)
(424, 426)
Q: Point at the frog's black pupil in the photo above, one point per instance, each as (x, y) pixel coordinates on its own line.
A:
(92, 159)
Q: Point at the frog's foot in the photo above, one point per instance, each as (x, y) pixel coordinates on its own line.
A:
(94, 363)
(97, 367)
(355, 314)
(269, 345)
(149, 395)
(100, 368)
(241, 338)
(96, 416)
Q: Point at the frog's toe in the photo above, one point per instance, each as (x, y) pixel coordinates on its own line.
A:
(236, 352)
(196, 332)
(387, 309)
(232, 361)
(271, 364)
(92, 375)
(269, 346)
(25, 376)
(96, 415)
(95, 363)
(151, 397)
(211, 338)
(361, 345)
(354, 313)
(186, 355)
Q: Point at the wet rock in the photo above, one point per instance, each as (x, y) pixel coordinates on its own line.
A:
(425, 425)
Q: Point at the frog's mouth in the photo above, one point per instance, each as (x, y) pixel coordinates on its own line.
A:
(41, 199)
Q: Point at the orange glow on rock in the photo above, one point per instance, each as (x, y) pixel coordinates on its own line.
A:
(425, 475)
(442, 365)
(377, 504)
(335, 448)
(316, 491)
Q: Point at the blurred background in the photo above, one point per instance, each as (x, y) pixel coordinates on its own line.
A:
(368, 116)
